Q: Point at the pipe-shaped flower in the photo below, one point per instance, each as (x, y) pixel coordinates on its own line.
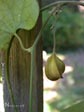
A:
(54, 67)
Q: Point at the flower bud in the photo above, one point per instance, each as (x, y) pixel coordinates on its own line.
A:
(54, 68)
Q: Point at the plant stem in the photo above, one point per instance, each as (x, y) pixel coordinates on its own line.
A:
(62, 3)
(31, 78)
(21, 44)
(40, 32)
(54, 42)
(8, 78)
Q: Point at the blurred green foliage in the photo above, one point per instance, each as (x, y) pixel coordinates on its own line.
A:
(69, 31)
(76, 107)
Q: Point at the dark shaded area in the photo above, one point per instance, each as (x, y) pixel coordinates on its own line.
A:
(69, 29)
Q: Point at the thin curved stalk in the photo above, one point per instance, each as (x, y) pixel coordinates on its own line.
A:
(41, 31)
(54, 42)
(21, 44)
(62, 3)
(8, 77)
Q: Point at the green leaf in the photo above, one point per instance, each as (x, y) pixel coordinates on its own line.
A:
(75, 108)
(16, 14)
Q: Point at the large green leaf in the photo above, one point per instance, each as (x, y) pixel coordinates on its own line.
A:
(16, 14)
(78, 107)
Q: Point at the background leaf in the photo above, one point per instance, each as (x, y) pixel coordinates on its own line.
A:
(16, 14)
(76, 107)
